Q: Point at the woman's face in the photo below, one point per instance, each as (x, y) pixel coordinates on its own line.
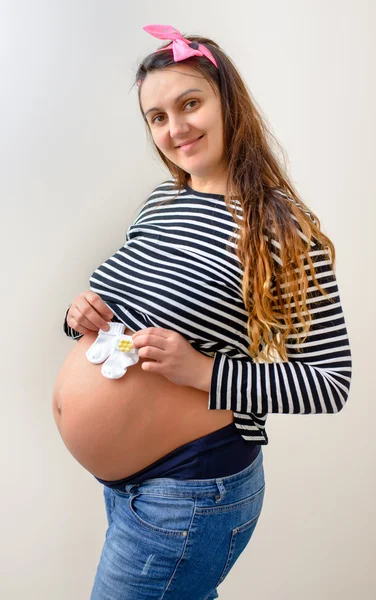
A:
(174, 118)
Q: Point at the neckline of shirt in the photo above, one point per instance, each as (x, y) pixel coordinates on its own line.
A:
(193, 192)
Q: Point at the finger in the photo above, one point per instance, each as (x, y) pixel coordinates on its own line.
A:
(94, 313)
(101, 308)
(86, 317)
(78, 322)
(151, 353)
(77, 327)
(149, 340)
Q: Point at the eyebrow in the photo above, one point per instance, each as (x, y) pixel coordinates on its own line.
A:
(176, 99)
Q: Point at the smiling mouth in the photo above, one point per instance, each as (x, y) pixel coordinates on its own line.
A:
(190, 143)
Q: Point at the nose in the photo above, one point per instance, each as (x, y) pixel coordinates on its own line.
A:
(178, 128)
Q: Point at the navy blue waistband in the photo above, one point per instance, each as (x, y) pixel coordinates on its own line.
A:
(217, 454)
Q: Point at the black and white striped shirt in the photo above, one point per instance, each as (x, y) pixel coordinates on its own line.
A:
(175, 272)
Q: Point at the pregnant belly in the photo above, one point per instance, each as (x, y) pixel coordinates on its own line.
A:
(116, 427)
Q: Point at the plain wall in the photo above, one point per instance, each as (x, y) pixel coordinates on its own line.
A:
(75, 165)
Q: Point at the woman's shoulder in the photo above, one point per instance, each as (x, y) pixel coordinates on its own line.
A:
(279, 192)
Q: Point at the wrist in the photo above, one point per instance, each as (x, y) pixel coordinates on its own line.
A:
(203, 373)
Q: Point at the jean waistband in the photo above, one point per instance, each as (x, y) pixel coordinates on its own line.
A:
(192, 487)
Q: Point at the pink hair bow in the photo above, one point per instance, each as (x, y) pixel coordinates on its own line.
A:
(181, 47)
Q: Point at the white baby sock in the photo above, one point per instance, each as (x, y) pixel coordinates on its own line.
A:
(123, 355)
(105, 342)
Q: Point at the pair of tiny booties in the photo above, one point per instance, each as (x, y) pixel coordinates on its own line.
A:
(117, 348)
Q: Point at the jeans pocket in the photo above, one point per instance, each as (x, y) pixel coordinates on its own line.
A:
(169, 515)
(240, 536)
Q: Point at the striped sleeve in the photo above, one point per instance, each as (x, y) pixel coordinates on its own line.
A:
(69, 331)
(315, 380)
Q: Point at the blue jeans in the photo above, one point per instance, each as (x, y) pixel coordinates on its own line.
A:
(171, 539)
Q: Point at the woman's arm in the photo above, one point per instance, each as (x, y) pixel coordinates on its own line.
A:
(315, 380)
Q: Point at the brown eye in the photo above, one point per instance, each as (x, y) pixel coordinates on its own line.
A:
(190, 102)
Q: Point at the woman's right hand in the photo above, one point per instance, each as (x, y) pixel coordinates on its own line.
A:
(89, 313)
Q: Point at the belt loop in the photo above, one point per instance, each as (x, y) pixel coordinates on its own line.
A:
(221, 489)
(129, 487)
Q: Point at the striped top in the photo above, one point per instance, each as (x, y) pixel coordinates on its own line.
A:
(175, 272)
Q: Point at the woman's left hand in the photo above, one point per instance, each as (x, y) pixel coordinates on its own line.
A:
(174, 356)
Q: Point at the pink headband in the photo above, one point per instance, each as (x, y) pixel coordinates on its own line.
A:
(181, 47)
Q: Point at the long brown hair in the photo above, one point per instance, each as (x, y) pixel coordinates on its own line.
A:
(272, 210)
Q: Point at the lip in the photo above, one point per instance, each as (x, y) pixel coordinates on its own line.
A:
(189, 144)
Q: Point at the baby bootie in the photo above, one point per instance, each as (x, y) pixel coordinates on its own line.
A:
(123, 355)
(104, 344)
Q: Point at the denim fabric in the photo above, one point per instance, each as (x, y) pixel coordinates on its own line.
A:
(170, 539)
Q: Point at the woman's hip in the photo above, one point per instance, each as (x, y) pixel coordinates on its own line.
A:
(178, 537)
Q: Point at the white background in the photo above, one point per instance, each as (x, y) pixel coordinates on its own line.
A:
(75, 163)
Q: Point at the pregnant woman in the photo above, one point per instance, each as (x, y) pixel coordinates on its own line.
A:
(222, 306)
